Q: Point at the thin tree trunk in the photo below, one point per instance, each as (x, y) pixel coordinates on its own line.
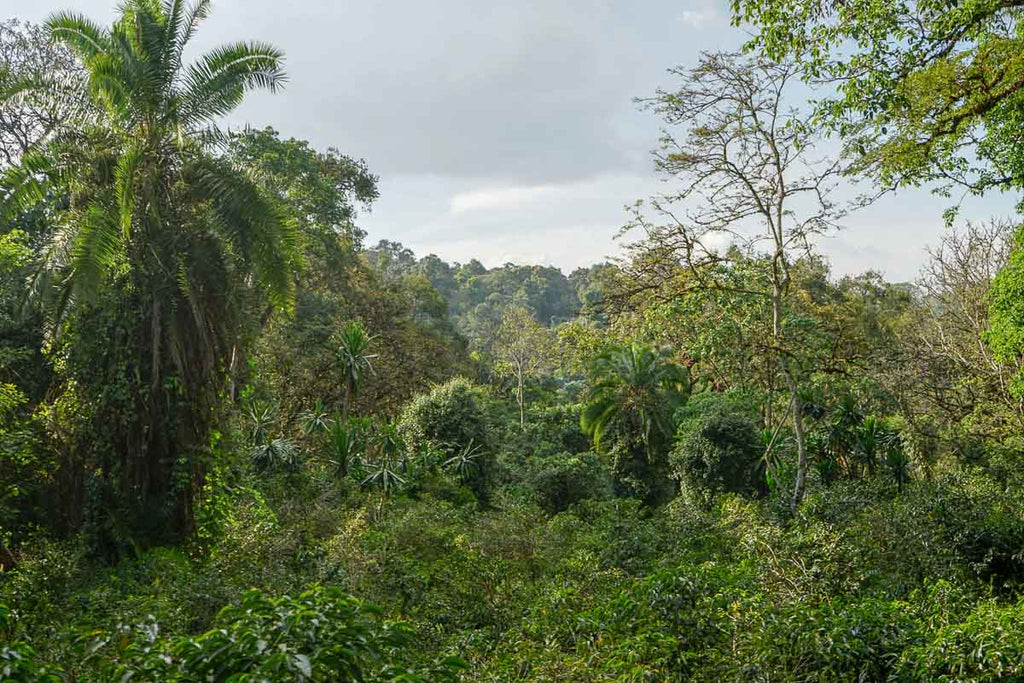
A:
(801, 443)
(779, 280)
(522, 402)
(232, 371)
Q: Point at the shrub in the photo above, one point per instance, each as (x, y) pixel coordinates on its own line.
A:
(562, 480)
(718, 449)
(321, 635)
(450, 419)
(857, 641)
(987, 646)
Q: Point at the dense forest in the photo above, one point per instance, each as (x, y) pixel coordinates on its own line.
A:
(238, 442)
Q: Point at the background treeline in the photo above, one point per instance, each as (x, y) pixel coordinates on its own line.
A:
(237, 442)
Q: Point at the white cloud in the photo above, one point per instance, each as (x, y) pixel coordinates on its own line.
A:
(502, 198)
(698, 18)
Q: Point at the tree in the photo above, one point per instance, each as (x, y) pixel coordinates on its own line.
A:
(523, 349)
(450, 420)
(923, 91)
(633, 395)
(718, 449)
(1006, 315)
(40, 88)
(156, 229)
(750, 187)
(954, 390)
(353, 361)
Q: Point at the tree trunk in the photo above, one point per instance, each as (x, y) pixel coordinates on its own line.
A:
(522, 402)
(779, 283)
(232, 372)
(801, 442)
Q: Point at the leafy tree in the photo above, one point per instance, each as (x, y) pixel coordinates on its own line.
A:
(156, 229)
(633, 395)
(523, 348)
(744, 160)
(561, 480)
(1006, 314)
(718, 449)
(451, 421)
(925, 91)
(40, 88)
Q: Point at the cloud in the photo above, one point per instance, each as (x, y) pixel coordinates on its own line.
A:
(698, 18)
(502, 198)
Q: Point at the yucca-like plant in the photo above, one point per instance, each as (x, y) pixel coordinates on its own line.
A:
(896, 458)
(354, 360)
(465, 463)
(346, 443)
(275, 454)
(315, 420)
(870, 436)
(157, 226)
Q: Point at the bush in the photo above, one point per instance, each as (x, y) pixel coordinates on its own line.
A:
(450, 419)
(562, 480)
(718, 449)
(859, 641)
(987, 646)
(982, 522)
(322, 635)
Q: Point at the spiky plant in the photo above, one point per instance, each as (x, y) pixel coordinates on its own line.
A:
(354, 361)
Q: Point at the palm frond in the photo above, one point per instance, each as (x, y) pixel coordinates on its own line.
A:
(256, 226)
(194, 16)
(80, 34)
(216, 83)
(125, 182)
(95, 248)
(25, 185)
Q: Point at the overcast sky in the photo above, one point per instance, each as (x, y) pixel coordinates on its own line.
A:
(506, 130)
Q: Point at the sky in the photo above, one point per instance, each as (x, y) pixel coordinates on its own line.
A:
(504, 130)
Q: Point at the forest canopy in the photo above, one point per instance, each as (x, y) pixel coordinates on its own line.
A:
(240, 442)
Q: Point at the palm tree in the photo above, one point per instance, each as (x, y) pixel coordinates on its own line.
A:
(354, 361)
(158, 227)
(634, 393)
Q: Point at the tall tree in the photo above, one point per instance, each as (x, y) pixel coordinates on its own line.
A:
(159, 237)
(523, 349)
(40, 89)
(749, 186)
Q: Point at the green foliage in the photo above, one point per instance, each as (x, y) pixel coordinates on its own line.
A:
(629, 411)
(561, 480)
(320, 635)
(718, 449)
(1006, 313)
(859, 641)
(451, 420)
(927, 91)
(986, 646)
